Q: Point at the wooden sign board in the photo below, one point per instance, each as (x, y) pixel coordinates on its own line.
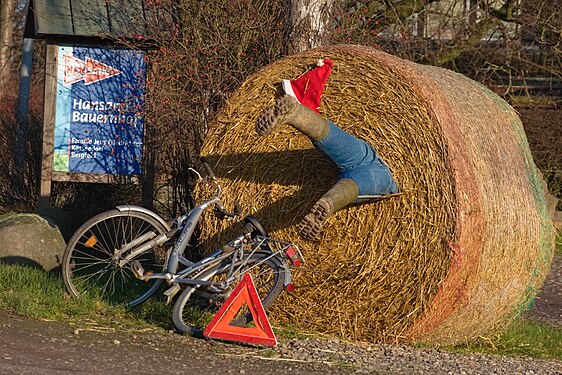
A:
(93, 115)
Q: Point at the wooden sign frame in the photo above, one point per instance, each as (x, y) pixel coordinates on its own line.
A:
(48, 174)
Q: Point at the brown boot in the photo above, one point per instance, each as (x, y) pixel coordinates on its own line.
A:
(288, 111)
(344, 192)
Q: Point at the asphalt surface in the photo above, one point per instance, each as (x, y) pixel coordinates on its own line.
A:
(46, 347)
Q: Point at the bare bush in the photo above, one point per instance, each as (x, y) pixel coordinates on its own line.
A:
(18, 187)
(214, 46)
(499, 43)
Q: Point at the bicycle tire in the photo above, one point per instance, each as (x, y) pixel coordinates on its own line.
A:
(89, 266)
(196, 306)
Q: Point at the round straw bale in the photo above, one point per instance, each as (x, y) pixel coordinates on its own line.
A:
(458, 254)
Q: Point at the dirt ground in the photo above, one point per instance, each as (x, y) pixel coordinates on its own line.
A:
(548, 304)
(40, 347)
(542, 128)
(46, 347)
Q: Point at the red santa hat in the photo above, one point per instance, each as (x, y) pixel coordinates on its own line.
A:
(308, 88)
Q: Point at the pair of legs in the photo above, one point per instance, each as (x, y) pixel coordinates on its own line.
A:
(363, 173)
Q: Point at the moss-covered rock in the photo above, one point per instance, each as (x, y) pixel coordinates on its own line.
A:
(30, 239)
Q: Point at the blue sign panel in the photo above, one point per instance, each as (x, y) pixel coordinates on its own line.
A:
(99, 110)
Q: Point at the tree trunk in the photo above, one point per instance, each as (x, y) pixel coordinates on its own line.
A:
(7, 18)
(309, 23)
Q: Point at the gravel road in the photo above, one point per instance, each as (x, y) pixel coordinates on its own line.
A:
(41, 347)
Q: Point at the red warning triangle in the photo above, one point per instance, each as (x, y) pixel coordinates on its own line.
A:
(220, 327)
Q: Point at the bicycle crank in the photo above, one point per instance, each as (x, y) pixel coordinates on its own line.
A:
(171, 292)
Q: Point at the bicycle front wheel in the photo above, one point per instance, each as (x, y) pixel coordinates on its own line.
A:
(92, 264)
(196, 306)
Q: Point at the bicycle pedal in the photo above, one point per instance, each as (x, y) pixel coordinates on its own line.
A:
(171, 292)
(137, 269)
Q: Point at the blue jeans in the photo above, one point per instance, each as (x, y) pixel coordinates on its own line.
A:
(357, 160)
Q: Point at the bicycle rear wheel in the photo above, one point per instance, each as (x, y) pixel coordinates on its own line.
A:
(90, 265)
(196, 306)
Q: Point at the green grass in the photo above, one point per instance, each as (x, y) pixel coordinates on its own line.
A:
(33, 293)
(36, 294)
(522, 338)
(558, 249)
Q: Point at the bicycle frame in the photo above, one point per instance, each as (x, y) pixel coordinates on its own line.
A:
(182, 277)
(187, 230)
(218, 256)
(186, 224)
(110, 248)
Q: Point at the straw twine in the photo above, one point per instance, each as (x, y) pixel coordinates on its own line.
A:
(465, 245)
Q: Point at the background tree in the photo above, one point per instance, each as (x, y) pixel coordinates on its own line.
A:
(8, 26)
(309, 22)
(495, 42)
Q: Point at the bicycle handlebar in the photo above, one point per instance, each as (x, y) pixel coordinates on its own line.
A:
(219, 210)
(212, 176)
(208, 168)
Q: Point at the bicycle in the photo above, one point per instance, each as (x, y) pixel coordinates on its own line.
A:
(125, 254)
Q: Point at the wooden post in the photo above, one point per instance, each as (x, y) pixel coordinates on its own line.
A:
(49, 119)
(23, 109)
